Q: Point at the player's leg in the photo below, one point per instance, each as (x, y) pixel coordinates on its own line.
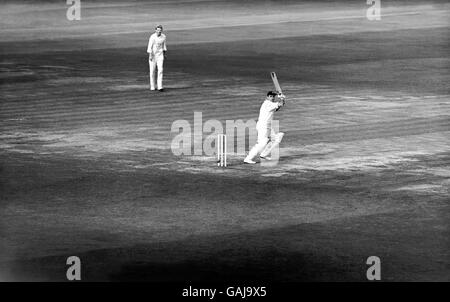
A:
(275, 140)
(152, 65)
(160, 63)
(265, 153)
(263, 139)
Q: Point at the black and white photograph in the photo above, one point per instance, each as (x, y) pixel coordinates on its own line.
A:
(241, 143)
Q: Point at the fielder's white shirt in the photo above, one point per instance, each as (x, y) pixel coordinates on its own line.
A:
(156, 45)
(266, 114)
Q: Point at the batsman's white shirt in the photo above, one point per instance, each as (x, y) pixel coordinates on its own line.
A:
(266, 114)
(156, 45)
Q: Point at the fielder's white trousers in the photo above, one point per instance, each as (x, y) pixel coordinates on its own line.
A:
(156, 63)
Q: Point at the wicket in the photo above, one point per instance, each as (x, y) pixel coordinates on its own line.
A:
(221, 150)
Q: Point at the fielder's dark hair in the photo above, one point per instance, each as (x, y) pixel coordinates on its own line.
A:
(159, 26)
(271, 93)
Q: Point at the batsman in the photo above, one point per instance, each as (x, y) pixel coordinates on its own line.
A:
(267, 138)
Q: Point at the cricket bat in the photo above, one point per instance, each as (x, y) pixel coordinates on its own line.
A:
(275, 82)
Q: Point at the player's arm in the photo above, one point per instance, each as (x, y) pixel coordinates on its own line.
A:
(164, 46)
(150, 48)
(281, 101)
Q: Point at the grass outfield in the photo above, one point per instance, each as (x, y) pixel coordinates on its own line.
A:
(87, 169)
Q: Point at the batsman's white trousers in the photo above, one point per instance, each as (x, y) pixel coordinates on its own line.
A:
(156, 63)
(264, 136)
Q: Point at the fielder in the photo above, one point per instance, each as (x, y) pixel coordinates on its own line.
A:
(156, 53)
(267, 138)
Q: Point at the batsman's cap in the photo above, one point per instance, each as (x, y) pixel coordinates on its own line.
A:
(271, 93)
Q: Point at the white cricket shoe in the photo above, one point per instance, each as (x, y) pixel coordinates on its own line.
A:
(249, 161)
(266, 157)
